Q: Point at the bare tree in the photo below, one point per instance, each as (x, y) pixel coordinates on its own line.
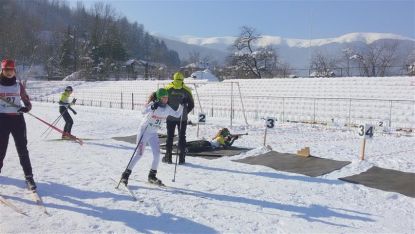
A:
(323, 65)
(376, 59)
(410, 63)
(194, 56)
(249, 60)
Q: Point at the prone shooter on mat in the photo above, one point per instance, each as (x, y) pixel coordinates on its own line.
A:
(223, 139)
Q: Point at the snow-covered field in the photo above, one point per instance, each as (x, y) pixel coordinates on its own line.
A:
(208, 195)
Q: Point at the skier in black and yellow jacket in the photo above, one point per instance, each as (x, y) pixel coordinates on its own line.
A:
(64, 105)
(178, 93)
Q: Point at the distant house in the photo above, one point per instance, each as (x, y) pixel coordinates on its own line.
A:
(204, 75)
(323, 74)
(143, 69)
(193, 67)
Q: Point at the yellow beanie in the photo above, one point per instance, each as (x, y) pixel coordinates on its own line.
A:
(178, 76)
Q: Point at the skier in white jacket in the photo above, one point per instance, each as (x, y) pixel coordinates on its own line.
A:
(156, 112)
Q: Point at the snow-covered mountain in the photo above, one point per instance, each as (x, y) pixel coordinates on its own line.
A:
(294, 51)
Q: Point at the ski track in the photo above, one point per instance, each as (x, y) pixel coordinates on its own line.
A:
(208, 196)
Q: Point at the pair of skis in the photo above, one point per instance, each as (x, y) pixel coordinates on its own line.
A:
(68, 135)
(131, 192)
(35, 197)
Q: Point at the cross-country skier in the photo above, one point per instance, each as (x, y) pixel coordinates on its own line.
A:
(12, 120)
(64, 105)
(156, 112)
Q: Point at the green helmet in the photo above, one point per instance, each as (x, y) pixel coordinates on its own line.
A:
(161, 93)
(225, 132)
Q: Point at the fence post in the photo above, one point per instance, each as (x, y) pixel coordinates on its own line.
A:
(132, 101)
(256, 108)
(314, 114)
(211, 105)
(350, 112)
(390, 114)
(283, 109)
(121, 102)
(231, 103)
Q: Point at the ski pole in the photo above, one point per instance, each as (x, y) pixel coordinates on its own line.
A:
(55, 122)
(132, 156)
(178, 145)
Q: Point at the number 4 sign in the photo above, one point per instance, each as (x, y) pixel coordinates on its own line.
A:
(366, 131)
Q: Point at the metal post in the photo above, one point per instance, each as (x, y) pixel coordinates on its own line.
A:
(242, 103)
(265, 135)
(314, 117)
(350, 112)
(121, 101)
(283, 109)
(256, 108)
(231, 102)
(198, 99)
(211, 105)
(390, 114)
(132, 101)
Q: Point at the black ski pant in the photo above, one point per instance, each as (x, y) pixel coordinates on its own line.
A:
(67, 117)
(171, 127)
(15, 124)
(198, 146)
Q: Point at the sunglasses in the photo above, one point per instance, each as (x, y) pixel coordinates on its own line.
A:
(8, 69)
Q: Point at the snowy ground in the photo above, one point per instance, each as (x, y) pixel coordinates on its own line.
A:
(208, 195)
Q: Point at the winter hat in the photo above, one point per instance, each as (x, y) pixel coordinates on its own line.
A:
(225, 132)
(178, 76)
(161, 93)
(7, 63)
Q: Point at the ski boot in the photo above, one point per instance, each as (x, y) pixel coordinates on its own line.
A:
(182, 160)
(30, 183)
(65, 136)
(124, 176)
(152, 179)
(167, 159)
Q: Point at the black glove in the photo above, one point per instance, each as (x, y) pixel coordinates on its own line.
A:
(73, 101)
(184, 100)
(236, 137)
(23, 110)
(74, 112)
(155, 105)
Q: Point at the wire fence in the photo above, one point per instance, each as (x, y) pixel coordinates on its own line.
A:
(344, 111)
